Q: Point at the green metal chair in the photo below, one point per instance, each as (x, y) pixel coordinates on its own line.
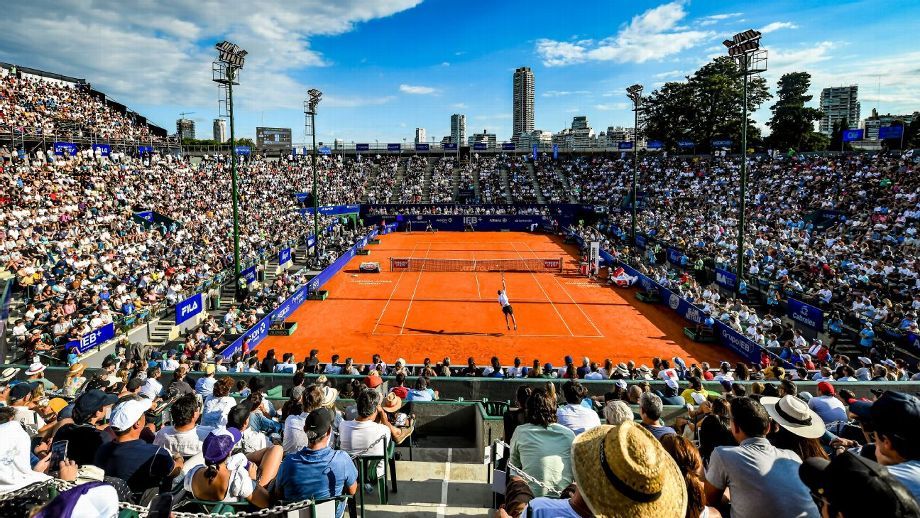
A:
(495, 408)
(367, 473)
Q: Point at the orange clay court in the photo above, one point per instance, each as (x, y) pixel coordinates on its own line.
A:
(414, 315)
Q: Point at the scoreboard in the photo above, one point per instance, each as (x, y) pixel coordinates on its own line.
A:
(273, 138)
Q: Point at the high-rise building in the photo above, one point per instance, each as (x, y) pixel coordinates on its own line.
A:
(185, 128)
(220, 130)
(582, 134)
(839, 103)
(875, 121)
(485, 137)
(458, 128)
(420, 136)
(523, 102)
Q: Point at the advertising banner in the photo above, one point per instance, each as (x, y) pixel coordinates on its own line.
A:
(249, 274)
(188, 308)
(419, 146)
(243, 150)
(325, 150)
(144, 150)
(686, 144)
(362, 147)
(480, 146)
(886, 132)
(852, 134)
(94, 338)
(674, 256)
(624, 145)
(394, 147)
(507, 146)
(533, 153)
(450, 146)
(103, 149)
(805, 314)
(65, 148)
(555, 151)
(737, 342)
(284, 255)
(655, 144)
(726, 279)
(722, 143)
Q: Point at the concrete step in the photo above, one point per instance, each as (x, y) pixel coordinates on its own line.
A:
(423, 511)
(436, 489)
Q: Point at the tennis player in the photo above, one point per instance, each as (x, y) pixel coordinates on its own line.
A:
(506, 306)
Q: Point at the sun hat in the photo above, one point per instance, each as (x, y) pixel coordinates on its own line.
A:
(218, 445)
(622, 369)
(8, 374)
(391, 403)
(57, 404)
(127, 413)
(210, 368)
(621, 384)
(36, 368)
(624, 471)
(77, 368)
(794, 415)
(671, 383)
(329, 396)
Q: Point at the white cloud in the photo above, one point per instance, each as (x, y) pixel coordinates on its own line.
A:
(445, 63)
(675, 74)
(458, 106)
(335, 101)
(612, 106)
(775, 26)
(416, 89)
(652, 35)
(562, 93)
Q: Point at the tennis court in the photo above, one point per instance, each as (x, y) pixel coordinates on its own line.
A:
(419, 314)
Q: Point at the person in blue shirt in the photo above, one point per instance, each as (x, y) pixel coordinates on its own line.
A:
(742, 287)
(317, 471)
(866, 336)
(835, 328)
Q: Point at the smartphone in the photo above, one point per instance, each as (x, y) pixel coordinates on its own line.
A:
(58, 453)
(161, 506)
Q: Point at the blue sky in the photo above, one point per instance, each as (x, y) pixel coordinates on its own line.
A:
(389, 66)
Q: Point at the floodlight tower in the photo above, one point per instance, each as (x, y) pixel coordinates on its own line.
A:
(634, 93)
(309, 112)
(225, 71)
(744, 48)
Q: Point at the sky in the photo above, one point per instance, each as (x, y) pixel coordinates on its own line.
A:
(386, 67)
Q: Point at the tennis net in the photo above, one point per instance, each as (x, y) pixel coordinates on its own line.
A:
(536, 265)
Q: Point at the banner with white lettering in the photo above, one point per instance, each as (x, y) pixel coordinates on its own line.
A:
(726, 279)
(805, 314)
(188, 308)
(94, 338)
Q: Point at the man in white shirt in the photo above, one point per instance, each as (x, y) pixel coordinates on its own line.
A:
(152, 387)
(574, 415)
(365, 435)
(507, 310)
(515, 372)
(183, 437)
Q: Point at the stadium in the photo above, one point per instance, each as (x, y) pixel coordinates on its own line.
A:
(709, 310)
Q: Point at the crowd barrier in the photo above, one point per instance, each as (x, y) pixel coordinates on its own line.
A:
(420, 222)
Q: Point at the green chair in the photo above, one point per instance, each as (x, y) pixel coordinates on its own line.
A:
(367, 473)
(495, 408)
(221, 508)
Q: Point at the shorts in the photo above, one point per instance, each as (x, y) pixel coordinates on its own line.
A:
(507, 310)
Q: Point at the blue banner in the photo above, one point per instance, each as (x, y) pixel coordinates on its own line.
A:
(333, 210)
(555, 151)
(508, 146)
(534, 152)
(886, 132)
(249, 274)
(674, 256)
(480, 146)
(290, 305)
(450, 146)
(852, 134)
(486, 223)
(144, 150)
(641, 241)
(243, 150)
(624, 145)
(317, 282)
(726, 279)
(394, 147)
(722, 143)
(302, 197)
(188, 308)
(362, 147)
(654, 144)
(284, 255)
(104, 149)
(145, 215)
(805, 314)
(686, 144)
(65, 148)
(325, 150)
(913, 341)
(742, 345)
(421, 146)
(94, 338)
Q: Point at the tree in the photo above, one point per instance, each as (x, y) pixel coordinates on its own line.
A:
(792, 122)
(837, 136)
(705, 107)
(912, 132)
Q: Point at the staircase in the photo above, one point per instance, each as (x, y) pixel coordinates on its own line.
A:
(370, 172)
(435, 489)
(506, 185)
(426, 179)
(400, 178)
(455, 183)
(568, 186)
(536, 185)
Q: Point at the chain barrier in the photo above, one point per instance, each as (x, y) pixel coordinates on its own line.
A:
(521, 473)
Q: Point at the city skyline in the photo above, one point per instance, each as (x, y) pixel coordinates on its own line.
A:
(158, 63)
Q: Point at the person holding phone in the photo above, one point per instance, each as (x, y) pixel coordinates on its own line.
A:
(87, 429)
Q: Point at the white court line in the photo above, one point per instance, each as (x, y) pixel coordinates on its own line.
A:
(566, 324)
(442, 507)
(395, 286)
(476, 276)
(410, 333)
(569, 295)
(412, 299)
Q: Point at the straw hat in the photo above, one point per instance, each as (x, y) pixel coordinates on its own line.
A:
(623, 471)
(77, 369)
(8, 374)
(391, 403)
(794, 415)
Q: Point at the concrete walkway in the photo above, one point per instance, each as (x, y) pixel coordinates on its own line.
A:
(434, 490)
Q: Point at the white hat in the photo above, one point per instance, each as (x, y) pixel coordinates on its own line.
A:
(794, 415)
(8, 374)
(35, 368)
(126, 414)
(698, 397)
(890, 363)
(671, 383)
(863, 360)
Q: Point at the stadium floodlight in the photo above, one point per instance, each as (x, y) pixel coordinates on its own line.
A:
(309, 112)
(634, 93)
(744, 48)
(225, 72)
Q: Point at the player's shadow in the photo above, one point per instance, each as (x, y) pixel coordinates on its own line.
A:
(442, 332)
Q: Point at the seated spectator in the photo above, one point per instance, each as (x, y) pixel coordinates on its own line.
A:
(205, 384)
(152, 387)
(650, 409)
(421, 392)
(225, 477)
(617, 412)
(316, 471)
(218, 404)
(715, 429)
(22, 402)
(141, 465)
(516, 415)
(690, 463)
(695, 394)
(670, 395)
(851, 486)
(85, 434)
(75, 380)
(895, 419)
(179, 384)
(184, 436)
(16, 470)
(371, 431)
(795, 426)
(827, 405)
(541, 447)
(294, 438)
(762, 479)
(573, 415)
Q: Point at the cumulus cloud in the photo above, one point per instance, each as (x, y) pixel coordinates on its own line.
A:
(652, 35)
(416, 89)
(563, 93)
(775, 26)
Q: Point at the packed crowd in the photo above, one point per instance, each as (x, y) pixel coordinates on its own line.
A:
(521, 182)
(413, 179)
(442, 178)
(488, 170)
(550, 181)
(381, 178)
(63, 111)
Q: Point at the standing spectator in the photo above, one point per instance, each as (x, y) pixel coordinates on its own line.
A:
(541, 447)
(573, 415)
(763, 480)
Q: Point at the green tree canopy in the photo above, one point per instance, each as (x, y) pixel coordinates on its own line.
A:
(792, 123)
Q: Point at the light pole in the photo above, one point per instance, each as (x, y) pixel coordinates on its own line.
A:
(744, 48)
(634, 93)
(225, 72)
(309, 110)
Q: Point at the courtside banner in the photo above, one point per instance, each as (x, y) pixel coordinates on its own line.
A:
(290, 305)
(394, 147)
(641, 241)
(674, 256)
(188, 308)
(259, 331)
(94, 338)
(737, 342)
(317, 282)
(726, 279)
(680, 305)
(805, 314)
(284, 255)
(362, 147)
(249, 274)
(65, 148)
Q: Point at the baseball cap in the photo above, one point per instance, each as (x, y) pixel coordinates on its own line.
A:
(218, 445)
(896, 413)
(127, 413)
(318, 423)
(373, 381)
(21, 390)
(92, 400)
(826, 388)
(859, 485)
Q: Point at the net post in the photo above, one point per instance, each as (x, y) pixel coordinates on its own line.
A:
(560, 264)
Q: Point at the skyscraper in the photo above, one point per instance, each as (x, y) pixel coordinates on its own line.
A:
(523, 102)
(185, 128)
(420, 135)
(458, 128)
(839, 103)
(220, 130)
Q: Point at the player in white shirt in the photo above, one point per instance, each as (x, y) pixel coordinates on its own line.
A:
(506, 305)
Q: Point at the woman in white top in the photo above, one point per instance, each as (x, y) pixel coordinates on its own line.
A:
(218, 404)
